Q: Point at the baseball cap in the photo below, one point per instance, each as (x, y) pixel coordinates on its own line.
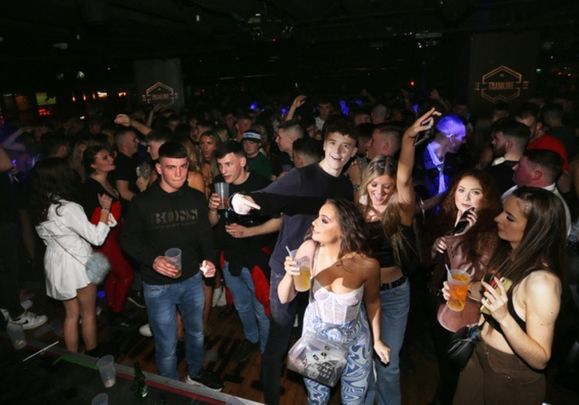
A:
(251, 136)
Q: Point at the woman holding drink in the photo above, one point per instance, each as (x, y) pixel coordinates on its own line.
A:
(518, 334)
(463, 251)
(342, 276)
(387, 201)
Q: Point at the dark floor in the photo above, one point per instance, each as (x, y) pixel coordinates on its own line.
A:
(419, 375)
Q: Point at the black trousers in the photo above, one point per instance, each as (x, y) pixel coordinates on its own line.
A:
(9, 291)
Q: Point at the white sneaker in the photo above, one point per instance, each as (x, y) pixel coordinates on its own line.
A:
(29, 320)
(145, 330)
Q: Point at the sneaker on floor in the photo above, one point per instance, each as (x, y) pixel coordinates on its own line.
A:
(207, 379)
(145, 330)
(29, 320)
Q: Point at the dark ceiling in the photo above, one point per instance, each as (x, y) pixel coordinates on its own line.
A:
(241, 37)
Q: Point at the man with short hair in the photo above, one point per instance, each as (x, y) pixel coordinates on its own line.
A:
(287, 133)
(257, 162)
(242, 125)
(323, 180)
(509, 140)
(167, 215)
(435, 172)
(126, 163)
(379, 114)
(307, 151)
(385, 141)
(325, 110)
(539, 168)
(242, 240)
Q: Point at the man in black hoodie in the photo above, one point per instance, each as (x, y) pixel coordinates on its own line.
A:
(170, 214)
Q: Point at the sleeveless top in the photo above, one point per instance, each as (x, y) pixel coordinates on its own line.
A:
(380, 242)
(511, 308)
(336, 308)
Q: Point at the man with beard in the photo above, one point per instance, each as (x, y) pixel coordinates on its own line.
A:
(509, 139)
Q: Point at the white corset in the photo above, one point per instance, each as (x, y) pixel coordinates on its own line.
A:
(336, 308)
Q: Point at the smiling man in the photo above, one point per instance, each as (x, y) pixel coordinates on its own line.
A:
(323, 180)
(170, 214)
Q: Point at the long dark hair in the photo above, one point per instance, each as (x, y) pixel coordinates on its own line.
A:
(89, 157)
(52, 180)
(352, 226)
(543, 245)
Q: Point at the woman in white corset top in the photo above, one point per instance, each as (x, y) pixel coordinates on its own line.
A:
(342, 277)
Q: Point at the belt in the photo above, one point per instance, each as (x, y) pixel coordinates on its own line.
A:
(393, 284)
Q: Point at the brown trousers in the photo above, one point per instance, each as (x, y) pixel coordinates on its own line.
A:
(494, 377)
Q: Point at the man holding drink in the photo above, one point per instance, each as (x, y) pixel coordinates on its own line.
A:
(242, 240)
(168, 222)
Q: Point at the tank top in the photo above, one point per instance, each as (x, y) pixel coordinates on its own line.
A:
(381, 245)
(511, 308)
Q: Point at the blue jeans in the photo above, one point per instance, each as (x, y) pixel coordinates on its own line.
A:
(251, 312)
(162, 304)
(395, 304)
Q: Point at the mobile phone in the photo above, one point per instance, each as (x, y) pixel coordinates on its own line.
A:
(490, 279)
(462, 222)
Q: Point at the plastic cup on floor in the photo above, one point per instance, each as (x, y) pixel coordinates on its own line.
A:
(100, 399)
(106, 366)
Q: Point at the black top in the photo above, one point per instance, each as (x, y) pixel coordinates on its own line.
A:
(502, 174)
(90, 191)
(158, 221)
(381, 246)
(243, 252)
(511, 308)
(308, 181)
(126, 169)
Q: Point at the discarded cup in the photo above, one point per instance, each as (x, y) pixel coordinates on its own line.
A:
(106, 366)
(174, 256)
(100, 399)
(17, 336)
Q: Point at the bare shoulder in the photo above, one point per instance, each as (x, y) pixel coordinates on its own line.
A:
(541, 285)
(362, 262)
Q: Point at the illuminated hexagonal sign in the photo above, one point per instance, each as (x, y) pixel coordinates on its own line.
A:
(160, 93)
(501, 84)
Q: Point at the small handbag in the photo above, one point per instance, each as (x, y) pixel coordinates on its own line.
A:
(462, 344)
(97, 265)
(318, 359)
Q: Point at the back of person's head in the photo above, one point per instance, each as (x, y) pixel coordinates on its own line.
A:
(341, 125)
(545, 234)
(393, 133)
(52, 180)
(121, 133)
(528, 110)
(160, 135)
(309, 150)
(550, 162)
(552, 114)
(52, 144)
(229, 147)
(293, 126)
(173, 150)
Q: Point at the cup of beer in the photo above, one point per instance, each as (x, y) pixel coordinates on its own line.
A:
(302, 282)
(458, 282)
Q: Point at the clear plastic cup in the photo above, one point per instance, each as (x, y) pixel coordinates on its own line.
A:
(106, 366)
(100, 399)
(174, 256)
(222, 190)
(302, 282)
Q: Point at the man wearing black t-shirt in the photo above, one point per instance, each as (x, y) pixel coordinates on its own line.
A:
(242, 240)
(126, 163)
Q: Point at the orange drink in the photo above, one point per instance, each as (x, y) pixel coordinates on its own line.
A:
(302, 282)
(458, 282)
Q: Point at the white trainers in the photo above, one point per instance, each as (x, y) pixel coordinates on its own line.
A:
(145, 330)
(29, 320)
